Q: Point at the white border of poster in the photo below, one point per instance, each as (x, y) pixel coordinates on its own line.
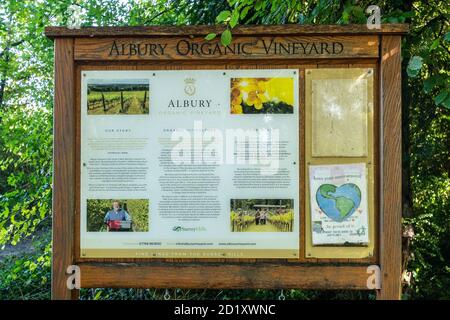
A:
(166, 146)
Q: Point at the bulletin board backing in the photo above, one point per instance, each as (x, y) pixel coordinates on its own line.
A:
(339, 47)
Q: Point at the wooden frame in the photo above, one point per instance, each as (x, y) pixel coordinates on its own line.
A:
(84, 49)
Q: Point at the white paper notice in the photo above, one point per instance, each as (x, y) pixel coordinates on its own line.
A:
(339, 204)
(189, 164)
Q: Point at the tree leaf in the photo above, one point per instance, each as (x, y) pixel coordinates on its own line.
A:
(345, 16)
(225, 39)
(358, 13)
(435, 44)
(210, 36)
(440, 97)
(234, 19)
(258, 5)
(224, 15)
(447, 37)
(393, 20)
(412, 73)
(244, 12)
(408, 14)
(430, 83)
(446, 102)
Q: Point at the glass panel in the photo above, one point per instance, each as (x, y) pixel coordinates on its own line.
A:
(339, 117)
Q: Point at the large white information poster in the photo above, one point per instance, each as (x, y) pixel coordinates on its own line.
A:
(189, 164)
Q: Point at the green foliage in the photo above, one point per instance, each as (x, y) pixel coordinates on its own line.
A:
(247, 204)
(245, 294)
(26, 149)
(430, 247)
(285, 218)
(27, 277)
(26, 75)
(426, 129)
(223, 16)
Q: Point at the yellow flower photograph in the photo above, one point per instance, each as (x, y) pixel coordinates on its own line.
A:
(261, 95)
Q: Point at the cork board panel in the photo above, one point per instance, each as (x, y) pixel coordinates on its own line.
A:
(351, 140)
(339, 117)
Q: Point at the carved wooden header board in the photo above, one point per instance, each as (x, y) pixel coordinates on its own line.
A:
(274, 162)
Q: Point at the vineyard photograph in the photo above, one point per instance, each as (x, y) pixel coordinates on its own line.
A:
(262, 215)
(116, 97)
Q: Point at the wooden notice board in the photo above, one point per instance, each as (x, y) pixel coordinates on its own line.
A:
(326, 62)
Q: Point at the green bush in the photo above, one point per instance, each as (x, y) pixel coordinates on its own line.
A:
(26, 75)
(430, 247)
(27, 277)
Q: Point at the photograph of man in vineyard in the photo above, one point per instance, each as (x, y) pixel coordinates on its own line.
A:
(110, 215)
(262, 215)
(262, 95)
(117, 96)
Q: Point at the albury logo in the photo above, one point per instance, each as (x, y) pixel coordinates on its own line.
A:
(189, 87)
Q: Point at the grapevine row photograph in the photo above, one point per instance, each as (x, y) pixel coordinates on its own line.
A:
(117, 96)
(262, 215)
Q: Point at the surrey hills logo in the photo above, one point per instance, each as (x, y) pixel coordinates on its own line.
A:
(195, 229)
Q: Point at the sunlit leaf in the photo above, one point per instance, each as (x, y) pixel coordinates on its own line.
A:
(225, 39)
(440, 98)
(224, 15)
(234, 19)
(210, 36)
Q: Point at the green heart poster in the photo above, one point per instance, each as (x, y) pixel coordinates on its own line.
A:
(338, 197)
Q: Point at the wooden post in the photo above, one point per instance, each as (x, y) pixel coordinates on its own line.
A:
(121, 101)
(145, 98)
(63, 169)
(103, 101)
(391, 169)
